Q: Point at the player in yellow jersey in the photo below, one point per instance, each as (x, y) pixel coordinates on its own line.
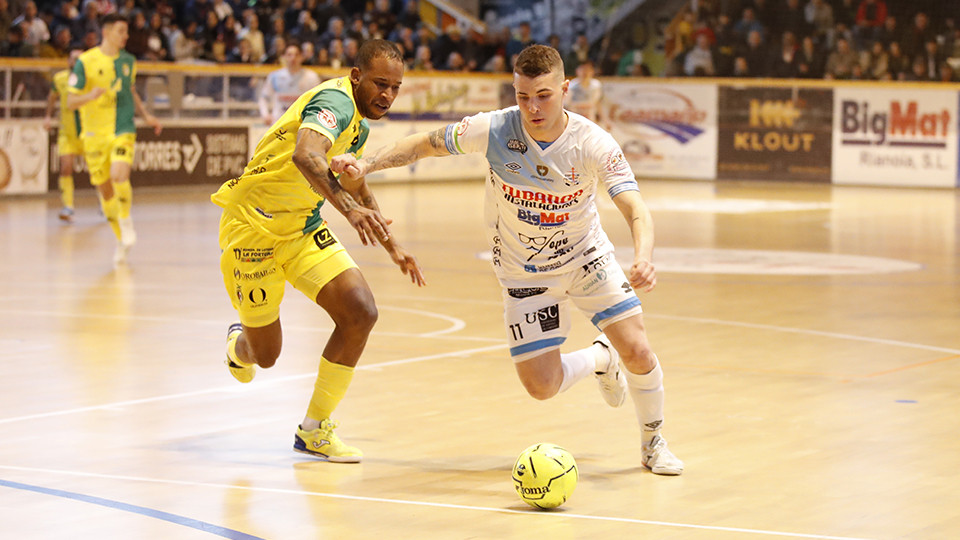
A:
(68, 134)
(271, 231)
(102, 89)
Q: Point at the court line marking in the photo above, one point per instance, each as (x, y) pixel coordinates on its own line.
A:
(244, 388)
(428, 504)
(788, 329)
(135, 509)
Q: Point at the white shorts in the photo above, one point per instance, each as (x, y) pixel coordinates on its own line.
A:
(536, 309)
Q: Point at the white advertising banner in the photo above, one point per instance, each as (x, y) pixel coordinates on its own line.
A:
(666, 131)
(23, 158)
(893, 136)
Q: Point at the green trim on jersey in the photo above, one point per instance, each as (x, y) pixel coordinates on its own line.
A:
(125, 69)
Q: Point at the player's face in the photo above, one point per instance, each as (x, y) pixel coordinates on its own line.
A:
(116, 34)
(540, 100)
(376, 87)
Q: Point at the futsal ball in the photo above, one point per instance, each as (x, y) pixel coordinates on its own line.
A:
(545, 475)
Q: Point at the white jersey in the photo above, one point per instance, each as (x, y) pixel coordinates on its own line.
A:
(539, 203)
(282, 88)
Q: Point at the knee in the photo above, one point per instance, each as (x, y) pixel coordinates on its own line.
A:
(360, 317)
(540, 390)
(639, 359)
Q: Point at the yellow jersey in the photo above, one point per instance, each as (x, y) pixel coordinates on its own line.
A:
(272, 195)
(69, 120)
(112, 112)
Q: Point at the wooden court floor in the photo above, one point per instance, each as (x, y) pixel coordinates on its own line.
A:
(810, 338)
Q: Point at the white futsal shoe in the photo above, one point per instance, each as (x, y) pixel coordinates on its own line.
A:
(659, 459)
(613, 384)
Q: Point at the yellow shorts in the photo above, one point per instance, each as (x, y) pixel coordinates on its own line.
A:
(256, 267)
(101, 152)
(69, 145)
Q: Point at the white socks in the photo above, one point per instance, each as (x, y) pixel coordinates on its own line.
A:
(647, 393)
(577, 365)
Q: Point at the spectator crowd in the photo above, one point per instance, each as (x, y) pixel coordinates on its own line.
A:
(832, 39)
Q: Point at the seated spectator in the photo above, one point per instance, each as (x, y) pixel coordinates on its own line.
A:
(748, 23)
(410, 16)
(404, 38)
(913, 39)
(350, 49)
(792, 19)
(699, 60)
(819, 15)
(35, 30)
(336, 55)
(890, 31)
(897, 62)
(918, 71)
(756, 54)
(520, 40)
(875, 61)
(138, 34)
(243, 53)
(251, 32)
(579, 53)
(946, 73)
(741, 68)
(183, 43)
(810, 60)
(496, 64)
(868, 24)
(357, 30)
(841, 61)
(422, 61)
(785, 63)
(381, 16)
(335, 30)
(15, 46)
(726, 45)
(451, 40)
(309, 53)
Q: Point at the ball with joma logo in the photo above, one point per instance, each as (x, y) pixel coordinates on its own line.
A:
(545, 475)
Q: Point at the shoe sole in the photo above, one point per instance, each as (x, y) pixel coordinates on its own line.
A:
(324, 457)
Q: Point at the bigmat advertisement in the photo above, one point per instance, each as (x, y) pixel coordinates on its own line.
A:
(666, 131)
(178, 156)
(893, 136)
(774, 134)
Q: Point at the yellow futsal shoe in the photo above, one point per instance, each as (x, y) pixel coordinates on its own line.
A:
(240, 372)
(323, 443)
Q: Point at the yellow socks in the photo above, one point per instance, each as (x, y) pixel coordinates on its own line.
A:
(66, 190)
(111, 211)
(329, 389)
(124, 193)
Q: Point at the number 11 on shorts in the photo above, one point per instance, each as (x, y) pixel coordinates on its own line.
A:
(517, 332)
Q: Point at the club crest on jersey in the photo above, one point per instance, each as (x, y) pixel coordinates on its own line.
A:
(572, 178)
(517, 146)
(462, 126)
(542, 170)
(327, 119)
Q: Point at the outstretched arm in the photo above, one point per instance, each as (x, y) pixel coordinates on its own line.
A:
(403, 152)
(642, 273)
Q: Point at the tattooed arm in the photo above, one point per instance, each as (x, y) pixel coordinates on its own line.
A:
(310, 156)
(403, 152)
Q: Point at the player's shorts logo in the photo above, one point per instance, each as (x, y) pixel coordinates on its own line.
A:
(548, 317)
(526, 292)
(257, 296)
(324, 238)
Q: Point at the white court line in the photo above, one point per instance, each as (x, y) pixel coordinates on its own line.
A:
(235, 388)
(805, 331)
(439, 334)
(430, 504)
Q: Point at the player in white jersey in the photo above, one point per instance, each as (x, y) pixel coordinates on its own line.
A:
(546, 164)
(283, 86)
(586, 93)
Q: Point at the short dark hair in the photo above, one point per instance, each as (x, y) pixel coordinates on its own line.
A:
(377, 48)
(111, 18)
(537, 60)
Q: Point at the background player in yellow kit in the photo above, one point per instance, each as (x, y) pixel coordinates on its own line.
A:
(102, 88)
(68, 134)
(271, 231)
